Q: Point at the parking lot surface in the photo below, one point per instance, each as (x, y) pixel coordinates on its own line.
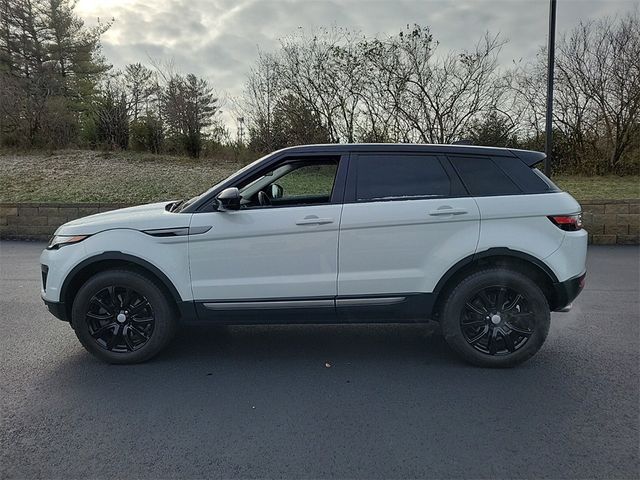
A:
(386, 401)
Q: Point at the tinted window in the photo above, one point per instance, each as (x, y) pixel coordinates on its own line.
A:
(523, 176)
(552, 186)
(483, 177)
(398, 177)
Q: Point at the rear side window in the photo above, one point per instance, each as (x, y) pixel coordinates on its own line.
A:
(482, 177)
(552, 186)
(525, 177)
(400, 177)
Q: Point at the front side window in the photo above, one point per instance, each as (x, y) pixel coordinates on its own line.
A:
(294, 182)
(309, 180)
(400, 177)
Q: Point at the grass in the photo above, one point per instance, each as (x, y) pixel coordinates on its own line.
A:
(600, 188)
(87, 176)
(132, 178)
(309, 180)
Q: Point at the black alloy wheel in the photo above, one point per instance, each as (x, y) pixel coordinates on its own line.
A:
(123, 316)
(497, 320)
(120, 319)
(495, 317)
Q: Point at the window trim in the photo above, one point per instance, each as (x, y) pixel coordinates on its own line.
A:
(457, 189)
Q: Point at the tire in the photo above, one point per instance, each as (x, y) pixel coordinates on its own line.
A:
(515, 313)
(123, 317)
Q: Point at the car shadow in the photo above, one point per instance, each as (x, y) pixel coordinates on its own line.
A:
(291, 347)
(326, 343)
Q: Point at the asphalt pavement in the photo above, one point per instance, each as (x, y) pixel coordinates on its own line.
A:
(385, 401)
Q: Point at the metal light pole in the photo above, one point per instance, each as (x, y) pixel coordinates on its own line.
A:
(551, 51)
(241, 130)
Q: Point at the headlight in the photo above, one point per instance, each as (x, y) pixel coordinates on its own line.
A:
(58, 241)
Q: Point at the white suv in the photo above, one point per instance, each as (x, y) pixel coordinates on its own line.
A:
(472, 237)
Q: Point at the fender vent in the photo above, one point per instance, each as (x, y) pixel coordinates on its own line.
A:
(167, 232)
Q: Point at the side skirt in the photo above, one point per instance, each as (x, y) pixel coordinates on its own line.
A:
(392, 308)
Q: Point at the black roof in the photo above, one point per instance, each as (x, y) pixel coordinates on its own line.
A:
(529, 157)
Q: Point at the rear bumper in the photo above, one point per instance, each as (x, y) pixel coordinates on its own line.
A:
(567, 291)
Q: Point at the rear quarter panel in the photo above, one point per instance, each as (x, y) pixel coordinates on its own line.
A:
(519, 222)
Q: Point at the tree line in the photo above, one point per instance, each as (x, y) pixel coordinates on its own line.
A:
(331, 85)
(340, 86)
(57, 89)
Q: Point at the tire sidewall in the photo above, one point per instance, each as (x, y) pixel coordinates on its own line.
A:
(164, 315)
(452, 330)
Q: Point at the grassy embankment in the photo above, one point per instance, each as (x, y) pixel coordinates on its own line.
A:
(87, 176)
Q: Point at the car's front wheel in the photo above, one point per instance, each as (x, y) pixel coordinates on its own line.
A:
(496, 318)
(121, 316)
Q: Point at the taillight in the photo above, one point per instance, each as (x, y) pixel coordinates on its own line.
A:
(569, 223)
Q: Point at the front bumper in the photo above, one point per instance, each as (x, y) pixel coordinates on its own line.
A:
(57, 309)
(567, 291)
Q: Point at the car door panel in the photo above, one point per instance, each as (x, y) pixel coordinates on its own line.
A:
(284, 252)
(401, 247)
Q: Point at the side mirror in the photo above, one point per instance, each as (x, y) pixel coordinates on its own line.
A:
(228, 199)
(276, 191)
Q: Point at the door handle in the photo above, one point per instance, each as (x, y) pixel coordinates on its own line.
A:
(447, 210)
(313, 220)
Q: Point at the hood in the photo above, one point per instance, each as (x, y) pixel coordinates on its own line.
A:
(142, 217)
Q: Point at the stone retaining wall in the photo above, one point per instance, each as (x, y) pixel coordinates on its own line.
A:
(611, 222)
(38, 221)
(608, 222)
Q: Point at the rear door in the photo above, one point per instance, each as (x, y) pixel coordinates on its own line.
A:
(406, 220)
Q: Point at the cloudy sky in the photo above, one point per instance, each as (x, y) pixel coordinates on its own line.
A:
(219, 39)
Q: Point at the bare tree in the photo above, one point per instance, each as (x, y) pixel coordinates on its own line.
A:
(596, 99)
(303, 73)
(393, 89)
(259, 99)
(600, 61)
(111, 116)
(441, 95)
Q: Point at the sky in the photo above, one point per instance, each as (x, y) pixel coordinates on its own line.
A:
(220, 39)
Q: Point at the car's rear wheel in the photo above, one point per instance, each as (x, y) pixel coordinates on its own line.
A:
(121, 316)
(496, 318)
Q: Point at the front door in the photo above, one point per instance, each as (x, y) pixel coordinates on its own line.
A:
(282, 245)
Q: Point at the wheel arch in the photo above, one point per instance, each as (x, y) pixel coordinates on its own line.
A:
(516, 260)
(108, 261)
